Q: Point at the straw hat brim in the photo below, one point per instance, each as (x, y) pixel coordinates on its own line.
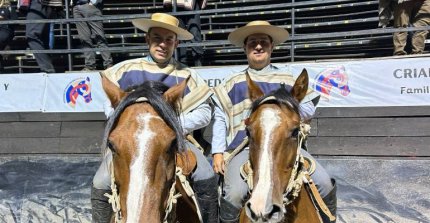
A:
(278, 34)
(146, 24)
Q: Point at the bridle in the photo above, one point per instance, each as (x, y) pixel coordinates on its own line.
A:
(114, 198)
(298, 172)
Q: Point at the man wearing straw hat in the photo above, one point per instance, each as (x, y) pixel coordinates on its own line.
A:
(258, 39)
(162, 38)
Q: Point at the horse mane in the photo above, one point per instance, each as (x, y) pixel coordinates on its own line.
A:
(153, 91)
(281, 96)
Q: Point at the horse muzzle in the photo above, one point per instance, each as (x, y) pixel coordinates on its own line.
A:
(271, 213)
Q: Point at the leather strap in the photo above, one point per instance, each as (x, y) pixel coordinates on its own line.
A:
(318, 198)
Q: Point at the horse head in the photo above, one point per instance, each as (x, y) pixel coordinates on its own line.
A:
(144, 134)
(273, 128)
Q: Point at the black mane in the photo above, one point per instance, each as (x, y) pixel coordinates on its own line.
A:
(281, 96)
(153, 91)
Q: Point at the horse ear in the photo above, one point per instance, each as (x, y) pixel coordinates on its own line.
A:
(300, 86)
(176, 92)
(114, 93)
(253, 89)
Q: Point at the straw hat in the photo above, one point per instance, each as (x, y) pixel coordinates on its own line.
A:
(238, 36)
(165, 21)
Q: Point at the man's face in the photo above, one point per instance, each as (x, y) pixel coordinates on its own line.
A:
(258, 49)
(162, 44)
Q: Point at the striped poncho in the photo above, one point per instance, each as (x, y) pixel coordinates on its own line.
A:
(233, 97)
(136, 71)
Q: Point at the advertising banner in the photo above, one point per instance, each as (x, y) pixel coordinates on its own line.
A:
(74, 92)
(356, 83)
(21, 92)
(368, 83)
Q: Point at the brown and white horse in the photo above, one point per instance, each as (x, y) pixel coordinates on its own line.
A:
(144, 135)
(274, 134)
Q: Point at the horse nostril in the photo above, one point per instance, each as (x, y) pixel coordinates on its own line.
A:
(249, 211)
(275, 212)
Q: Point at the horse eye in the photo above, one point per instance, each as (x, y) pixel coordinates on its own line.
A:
(173, 144)
(295, 133)
(247, 132)
(111, 146)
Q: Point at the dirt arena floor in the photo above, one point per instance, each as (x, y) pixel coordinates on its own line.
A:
(54, 188)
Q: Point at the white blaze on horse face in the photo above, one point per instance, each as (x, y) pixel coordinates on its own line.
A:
(138, 167)
(262, 196)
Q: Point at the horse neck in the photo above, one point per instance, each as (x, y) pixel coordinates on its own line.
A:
(302, 209)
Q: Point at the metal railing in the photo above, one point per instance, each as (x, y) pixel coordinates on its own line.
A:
(290, 45)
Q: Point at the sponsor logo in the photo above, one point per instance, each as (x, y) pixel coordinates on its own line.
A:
(80, 87)
(330, 79)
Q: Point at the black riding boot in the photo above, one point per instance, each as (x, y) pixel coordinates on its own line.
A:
(207, 197)
(331, 201)
(101, 209)
(227, 212)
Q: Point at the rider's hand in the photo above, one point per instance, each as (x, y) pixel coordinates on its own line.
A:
(218, 163)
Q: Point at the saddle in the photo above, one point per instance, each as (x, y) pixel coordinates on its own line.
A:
(187, 161)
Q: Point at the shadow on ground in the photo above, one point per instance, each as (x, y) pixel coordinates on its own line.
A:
(57, 189)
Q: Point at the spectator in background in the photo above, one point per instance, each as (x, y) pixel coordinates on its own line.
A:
(416, 13)
(386, 8)
(38, 33)
(91, 33)
(6, 31)
(192, 24)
